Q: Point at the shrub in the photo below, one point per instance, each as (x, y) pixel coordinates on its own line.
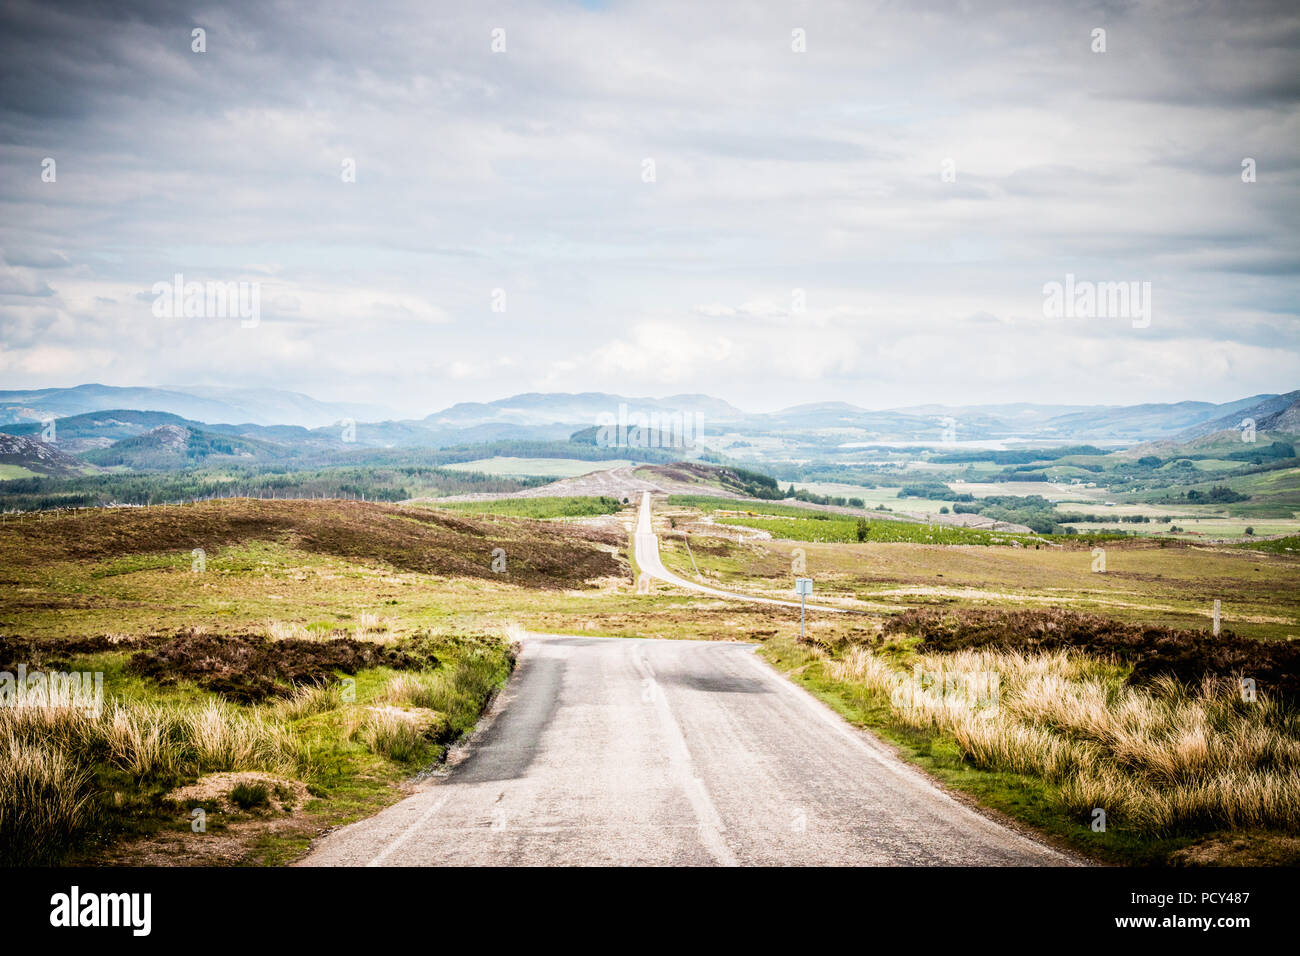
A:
(246, 796)
(457, 693)
(390, 735)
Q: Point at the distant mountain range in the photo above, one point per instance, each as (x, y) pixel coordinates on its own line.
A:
(152, 427)
(835, 422)
(1268, 412)
(259, 406)
(551, 408)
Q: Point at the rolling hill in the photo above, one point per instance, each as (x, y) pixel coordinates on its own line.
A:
(1261, 408)
(204, 404)
(1286, 421)
(169, 447)
(21, 456)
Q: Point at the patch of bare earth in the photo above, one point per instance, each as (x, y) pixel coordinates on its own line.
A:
(230, 836)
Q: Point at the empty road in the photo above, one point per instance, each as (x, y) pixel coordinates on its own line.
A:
(627, 751)
(648, 560)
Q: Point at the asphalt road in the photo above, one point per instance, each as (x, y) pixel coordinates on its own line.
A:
(627, 751)
(648, 560)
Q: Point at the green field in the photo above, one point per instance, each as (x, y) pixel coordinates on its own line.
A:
(1273, 494)
(871, 497)
(570, 507)
(845, 530)
(1287, 545)
(796, 523)
(1052, 492)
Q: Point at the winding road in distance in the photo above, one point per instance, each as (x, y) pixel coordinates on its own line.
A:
(661, 752)
(647, 558)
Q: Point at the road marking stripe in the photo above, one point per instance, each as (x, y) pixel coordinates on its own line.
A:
(409, 831)
(683, 768)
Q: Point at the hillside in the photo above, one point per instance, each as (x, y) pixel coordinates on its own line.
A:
(81, 433)
(171, 446)
(1286, 421)
(1261, 408)
(35, 457)
(1148, 420)
(33, 405)
(541, 555)
(205, 404)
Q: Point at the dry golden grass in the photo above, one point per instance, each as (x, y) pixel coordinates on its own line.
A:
(288, 631)
(44, 799)
(307, 701)
(46, 756)
(1155, 759)
(418, 690)
(390, 734)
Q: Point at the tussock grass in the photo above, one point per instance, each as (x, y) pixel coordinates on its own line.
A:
(246, 796)
(44, 800)
(1157, 759)
(154, 740)
(215, 737)
(65, 773)
(431, 691)
(307, 701)
(390, 734)
(369, 627)
(457, 692)
(287, 630)
(48, 758)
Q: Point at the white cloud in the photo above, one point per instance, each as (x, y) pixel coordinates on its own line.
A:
(775, 172)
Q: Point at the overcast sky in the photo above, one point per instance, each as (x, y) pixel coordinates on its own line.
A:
(773, 171)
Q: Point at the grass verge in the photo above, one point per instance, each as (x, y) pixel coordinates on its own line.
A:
(75, 785)
(1174, 768)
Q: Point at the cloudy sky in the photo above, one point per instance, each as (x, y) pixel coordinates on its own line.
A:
(653, 198)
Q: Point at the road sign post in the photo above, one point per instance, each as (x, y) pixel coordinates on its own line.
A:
(803, 588)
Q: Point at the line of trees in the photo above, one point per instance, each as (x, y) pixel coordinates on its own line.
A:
(374, 484)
